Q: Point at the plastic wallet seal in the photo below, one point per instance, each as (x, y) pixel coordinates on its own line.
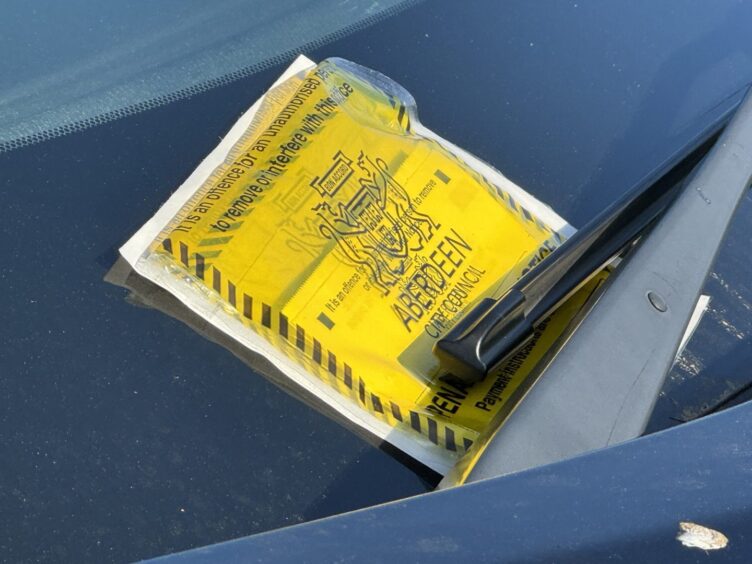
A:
(336, 236)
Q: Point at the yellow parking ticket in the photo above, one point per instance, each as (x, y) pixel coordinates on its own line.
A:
(342, 239)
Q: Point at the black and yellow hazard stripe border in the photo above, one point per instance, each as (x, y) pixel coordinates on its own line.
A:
(303, 347)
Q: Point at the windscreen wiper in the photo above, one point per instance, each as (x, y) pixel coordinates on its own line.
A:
(494, 329)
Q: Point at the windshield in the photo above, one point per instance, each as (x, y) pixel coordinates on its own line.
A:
(127, 433)
(76, 64)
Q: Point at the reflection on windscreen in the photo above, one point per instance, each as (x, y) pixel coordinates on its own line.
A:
(81, 62)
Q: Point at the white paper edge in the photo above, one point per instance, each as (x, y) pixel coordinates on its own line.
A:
(700, 307)
(414, 445)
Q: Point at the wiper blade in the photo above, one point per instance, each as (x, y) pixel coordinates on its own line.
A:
(494, 329)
